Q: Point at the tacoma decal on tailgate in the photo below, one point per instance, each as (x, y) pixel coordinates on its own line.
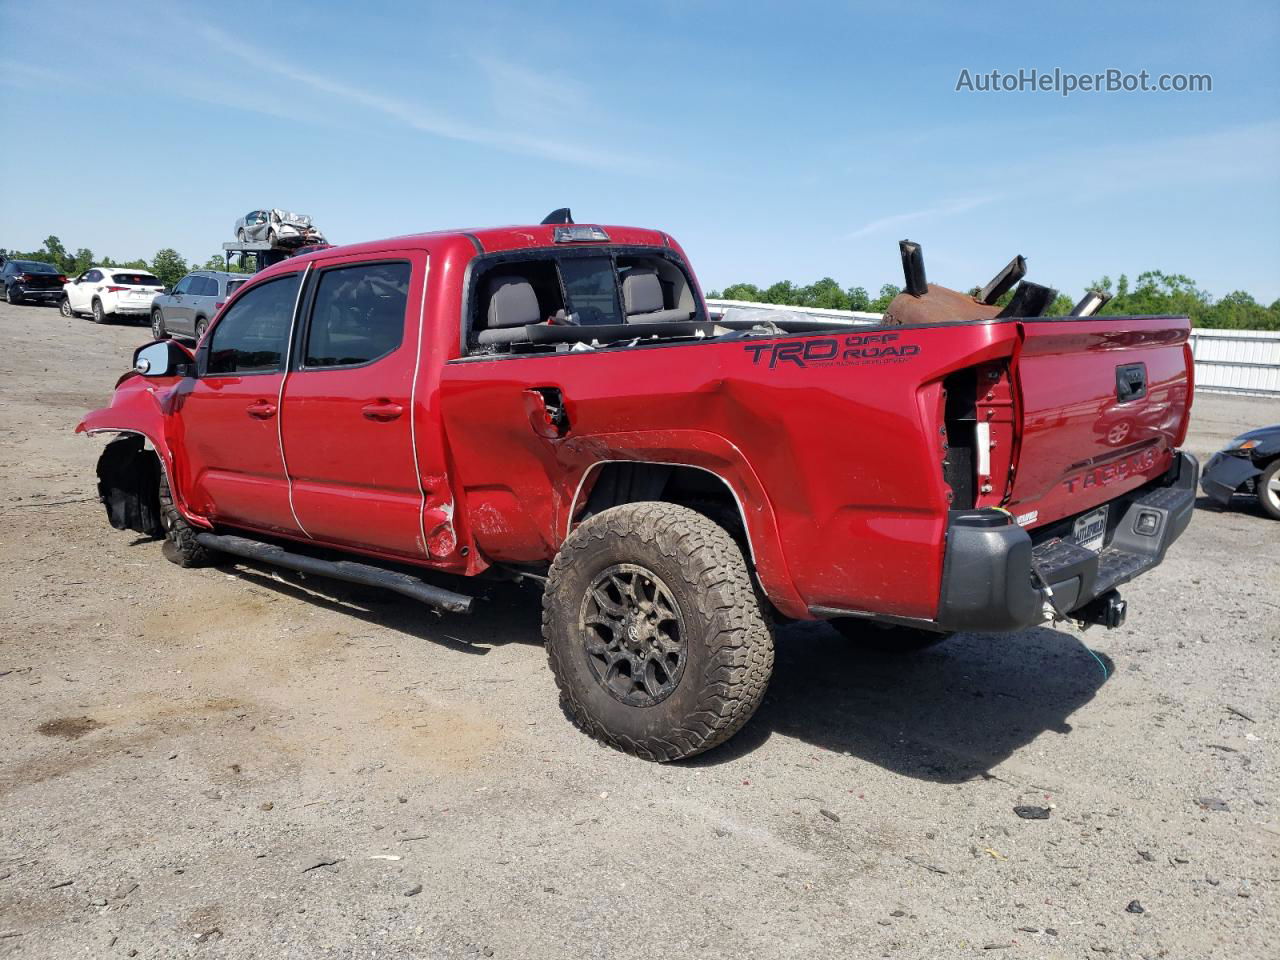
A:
(1137, 463)
(834, 351)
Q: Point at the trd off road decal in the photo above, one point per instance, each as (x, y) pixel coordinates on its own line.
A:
(833, 351)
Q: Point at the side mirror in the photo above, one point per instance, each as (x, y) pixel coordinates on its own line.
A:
(164, 358)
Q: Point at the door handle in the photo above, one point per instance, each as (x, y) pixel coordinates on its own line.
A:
(261, 410)
(1131, 382)
(381, 411)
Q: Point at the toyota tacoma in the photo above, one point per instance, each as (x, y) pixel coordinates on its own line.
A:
(555, 402)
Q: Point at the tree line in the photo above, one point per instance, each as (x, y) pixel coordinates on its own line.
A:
(1153, 293)
(168, 265)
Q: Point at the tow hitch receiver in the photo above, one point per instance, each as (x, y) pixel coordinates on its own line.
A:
(1107, 610)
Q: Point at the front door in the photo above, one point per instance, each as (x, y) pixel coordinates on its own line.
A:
(177, 309)
(79, 293)
(233, 472)
(347, 434)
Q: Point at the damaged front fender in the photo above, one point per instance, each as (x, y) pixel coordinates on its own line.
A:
(138, 410)
(129, 486)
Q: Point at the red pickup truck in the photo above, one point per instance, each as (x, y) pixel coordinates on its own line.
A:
(555, 402)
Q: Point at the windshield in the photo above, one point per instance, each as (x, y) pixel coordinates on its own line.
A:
(36, 266)
(137, 279)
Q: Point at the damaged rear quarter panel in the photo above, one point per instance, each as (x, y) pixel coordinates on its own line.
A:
(836, 472)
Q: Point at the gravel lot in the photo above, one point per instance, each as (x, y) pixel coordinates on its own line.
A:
(234, 763)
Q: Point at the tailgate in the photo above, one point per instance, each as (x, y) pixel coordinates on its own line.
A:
(1103, 404)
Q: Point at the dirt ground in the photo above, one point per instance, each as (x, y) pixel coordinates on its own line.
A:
(235, 763)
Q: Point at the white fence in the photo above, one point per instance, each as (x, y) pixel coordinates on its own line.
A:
(717, 308)
(1227, 361)
(1237, 361)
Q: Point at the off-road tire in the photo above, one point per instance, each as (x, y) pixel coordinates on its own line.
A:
(64, 308)
(728, 655)
(180, 545)
(99, 316)
(887, 639)
(158, 329)
(1268, 498)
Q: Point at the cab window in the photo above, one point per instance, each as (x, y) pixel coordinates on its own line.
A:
(358, 314)
(591, 287)
(253, 335)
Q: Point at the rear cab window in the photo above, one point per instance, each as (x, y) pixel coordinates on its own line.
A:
(591, 289)
(608, 289)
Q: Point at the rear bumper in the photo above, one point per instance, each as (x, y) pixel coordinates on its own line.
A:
(132, 309)
(994, 575)
(54, 293)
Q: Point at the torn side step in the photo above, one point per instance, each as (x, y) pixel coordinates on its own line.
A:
(347, 570)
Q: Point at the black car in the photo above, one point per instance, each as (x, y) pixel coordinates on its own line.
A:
(31, 280)
(1248, 464)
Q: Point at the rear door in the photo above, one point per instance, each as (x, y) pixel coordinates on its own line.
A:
(1103, 404)
(233, 471)
(347, 428)
(203, 296)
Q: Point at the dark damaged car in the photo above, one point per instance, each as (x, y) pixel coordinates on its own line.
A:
(1248, 464)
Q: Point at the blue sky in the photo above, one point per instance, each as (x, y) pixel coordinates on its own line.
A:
(786, 141)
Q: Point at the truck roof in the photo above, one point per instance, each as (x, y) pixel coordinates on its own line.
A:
(492, 240)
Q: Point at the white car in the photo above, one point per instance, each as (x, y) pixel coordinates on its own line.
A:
(104, 292)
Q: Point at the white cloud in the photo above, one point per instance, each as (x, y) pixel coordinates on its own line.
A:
(418, 116)
(930, 213)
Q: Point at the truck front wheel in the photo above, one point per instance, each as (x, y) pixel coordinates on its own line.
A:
(180, 545)
(654, 631)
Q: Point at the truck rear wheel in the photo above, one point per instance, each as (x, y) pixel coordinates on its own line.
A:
(180, 545)
(885, 638)
(654, 631)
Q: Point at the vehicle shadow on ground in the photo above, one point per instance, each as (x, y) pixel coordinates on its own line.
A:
(1243, 503)
(946, 714)
(502, 613)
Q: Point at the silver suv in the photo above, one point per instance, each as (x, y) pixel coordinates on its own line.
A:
(188, 308)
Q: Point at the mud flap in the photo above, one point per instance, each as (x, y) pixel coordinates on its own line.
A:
(129, 485)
